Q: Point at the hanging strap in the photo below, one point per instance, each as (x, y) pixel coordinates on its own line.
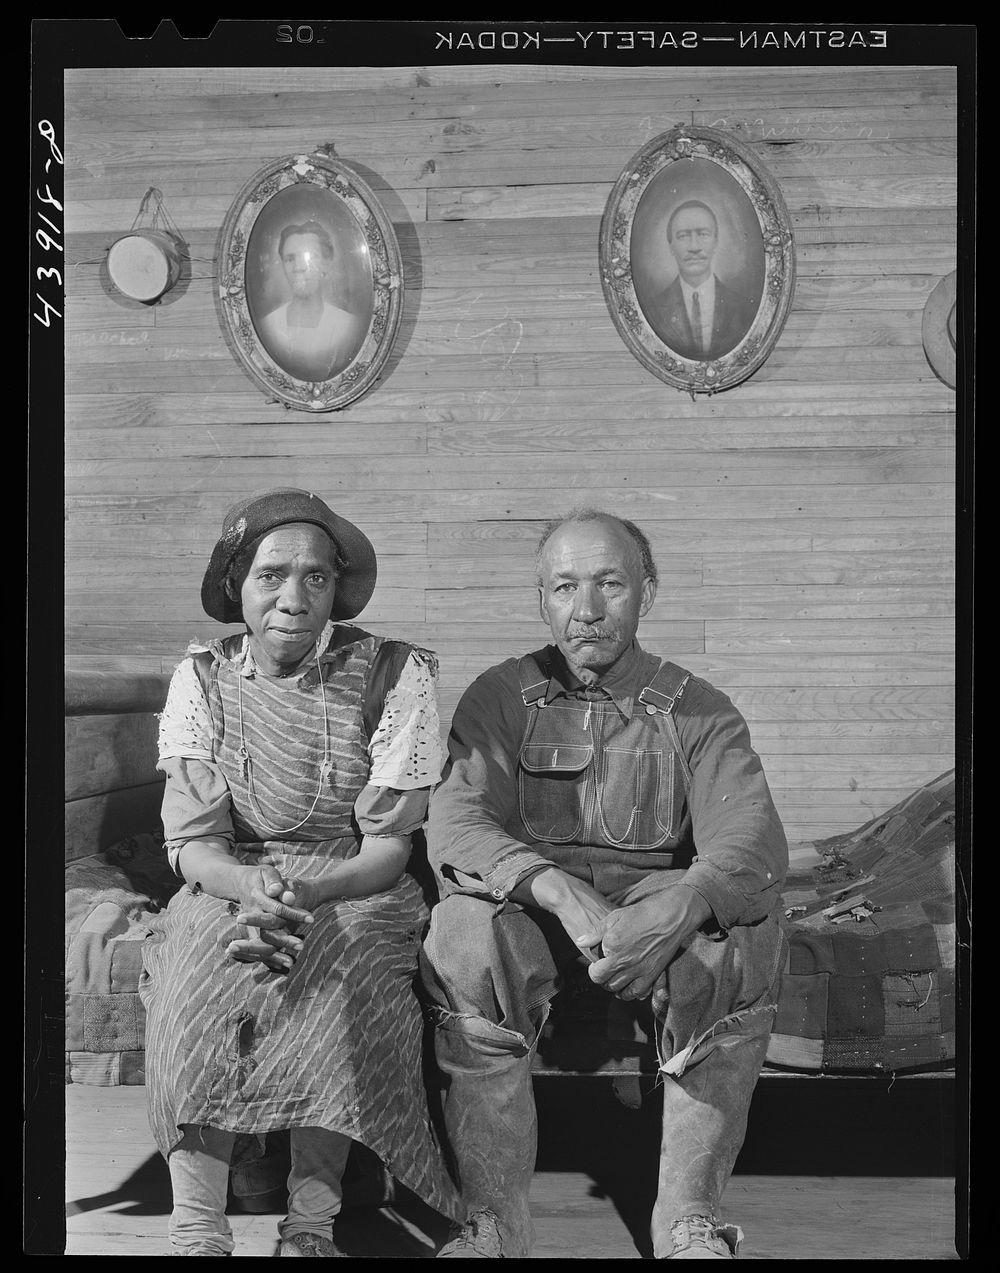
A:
(159, 218)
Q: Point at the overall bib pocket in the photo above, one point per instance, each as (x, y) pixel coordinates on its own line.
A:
(553, 780)
(637, 798)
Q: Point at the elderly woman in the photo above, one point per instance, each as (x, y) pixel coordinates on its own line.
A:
(298, 760)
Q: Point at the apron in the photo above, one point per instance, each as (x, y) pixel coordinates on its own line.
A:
(336, 1042)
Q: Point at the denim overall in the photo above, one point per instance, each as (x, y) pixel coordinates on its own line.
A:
(588, 778)
(606, 800)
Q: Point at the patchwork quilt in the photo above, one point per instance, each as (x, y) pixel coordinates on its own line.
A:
(870, 980)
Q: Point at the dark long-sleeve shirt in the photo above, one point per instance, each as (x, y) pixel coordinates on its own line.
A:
(729, 835)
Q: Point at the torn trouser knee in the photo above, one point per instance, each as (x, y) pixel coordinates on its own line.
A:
(486, 1037)
(718, 989)
(483, 964)
(749, 1024)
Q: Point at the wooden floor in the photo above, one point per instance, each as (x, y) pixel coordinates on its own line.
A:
(118, 1195)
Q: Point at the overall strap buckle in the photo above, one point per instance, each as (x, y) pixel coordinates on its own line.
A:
(532, 672)
(664, 691)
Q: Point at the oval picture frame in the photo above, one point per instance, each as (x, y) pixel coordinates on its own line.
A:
(310, 282)
(693, 202)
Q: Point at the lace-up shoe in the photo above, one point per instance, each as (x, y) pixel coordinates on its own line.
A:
(703, 1238)
(477, 1239)
(308, 1244)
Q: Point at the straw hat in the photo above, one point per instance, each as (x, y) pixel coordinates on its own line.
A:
(939, 330)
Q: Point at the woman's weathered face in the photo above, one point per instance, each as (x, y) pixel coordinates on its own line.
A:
(288, 595)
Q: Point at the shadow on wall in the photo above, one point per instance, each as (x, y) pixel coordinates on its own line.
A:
(812, 210)
(410, 255)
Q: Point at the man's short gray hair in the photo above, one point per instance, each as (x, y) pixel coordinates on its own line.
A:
(598, 515)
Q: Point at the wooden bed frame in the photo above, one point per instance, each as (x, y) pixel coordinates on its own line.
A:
(112, 787)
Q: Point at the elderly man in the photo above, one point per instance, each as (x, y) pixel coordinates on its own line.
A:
(600, 802)
(697, 315)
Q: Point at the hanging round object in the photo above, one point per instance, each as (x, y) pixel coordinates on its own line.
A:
(939, 330)
(144, 264)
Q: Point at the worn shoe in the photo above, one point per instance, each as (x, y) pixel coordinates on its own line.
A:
(198, 1250)
(703, 1238)
(308, 1244)
(477, 1239)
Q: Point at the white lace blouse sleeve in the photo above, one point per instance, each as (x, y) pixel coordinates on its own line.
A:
(406, 749)
(185, 722)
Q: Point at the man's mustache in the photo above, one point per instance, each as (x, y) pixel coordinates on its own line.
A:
(593, 634)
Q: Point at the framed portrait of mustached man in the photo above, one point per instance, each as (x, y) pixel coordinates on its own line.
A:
(310, 282)
(697, 259)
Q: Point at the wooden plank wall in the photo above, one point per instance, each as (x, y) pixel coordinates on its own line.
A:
(802, 521)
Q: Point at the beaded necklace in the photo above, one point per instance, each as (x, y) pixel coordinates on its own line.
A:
(326, 764)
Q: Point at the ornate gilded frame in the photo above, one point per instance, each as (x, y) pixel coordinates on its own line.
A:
(337, 196)
(671, 151)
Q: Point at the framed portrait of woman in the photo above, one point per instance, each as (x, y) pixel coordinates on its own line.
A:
(697, 259)
(310, 282)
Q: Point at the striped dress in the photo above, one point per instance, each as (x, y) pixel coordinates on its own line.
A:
(335, 1042)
